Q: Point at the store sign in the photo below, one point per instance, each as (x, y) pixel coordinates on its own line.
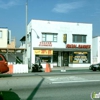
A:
(45, 44)
(80, 52)
(78, 46)
(43, 52)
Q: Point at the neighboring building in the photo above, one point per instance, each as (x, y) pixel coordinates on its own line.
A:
(60, 43)
(22, 40)
(5, 37)
(96, 49)
(8, 45)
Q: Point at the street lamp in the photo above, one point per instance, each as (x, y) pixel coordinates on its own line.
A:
(36, 33)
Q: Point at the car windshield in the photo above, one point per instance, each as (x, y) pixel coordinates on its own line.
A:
(3, 57)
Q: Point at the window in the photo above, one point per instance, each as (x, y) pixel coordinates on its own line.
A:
(80, 57)
(1, 58)
(0, 34)
(43, 59)
(79, 38)
(50, 37)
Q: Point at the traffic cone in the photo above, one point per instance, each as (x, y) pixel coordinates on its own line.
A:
(10, 69)
(48, 68)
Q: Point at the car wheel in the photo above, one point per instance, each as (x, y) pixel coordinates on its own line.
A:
(94, 69)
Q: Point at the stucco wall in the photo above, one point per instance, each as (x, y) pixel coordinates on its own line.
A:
(36, 27)
(60, 28)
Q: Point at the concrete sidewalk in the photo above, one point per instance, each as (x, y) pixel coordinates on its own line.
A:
(70, 68)
(57, 71)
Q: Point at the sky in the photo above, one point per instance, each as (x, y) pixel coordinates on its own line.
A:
(13, 13)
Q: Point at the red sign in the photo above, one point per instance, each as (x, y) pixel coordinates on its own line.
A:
(71, 46)
(84, 46)
(79, 46)
(45, 44)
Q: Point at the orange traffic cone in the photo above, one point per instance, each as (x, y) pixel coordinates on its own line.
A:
(48, 68)
(10, 69)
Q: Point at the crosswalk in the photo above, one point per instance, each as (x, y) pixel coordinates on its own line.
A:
(68, 79)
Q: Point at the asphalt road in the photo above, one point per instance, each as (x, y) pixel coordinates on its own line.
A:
(57, 87)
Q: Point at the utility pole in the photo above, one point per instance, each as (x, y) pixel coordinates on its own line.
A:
(25, 51)
(26, 24)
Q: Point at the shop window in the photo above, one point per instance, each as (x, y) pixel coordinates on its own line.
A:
(49, 37)
(80, 57)
(43, 59)
(79, 38)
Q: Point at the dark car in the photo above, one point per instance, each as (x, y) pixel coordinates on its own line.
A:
(95, 67)
(3, 64)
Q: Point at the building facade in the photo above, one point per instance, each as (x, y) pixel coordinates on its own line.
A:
(59, 43)
(96, 49)
(8, 46)
(4, 37)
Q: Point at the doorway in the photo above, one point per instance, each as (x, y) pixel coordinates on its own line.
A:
(65, 56)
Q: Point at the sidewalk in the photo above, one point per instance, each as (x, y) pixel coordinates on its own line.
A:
(61, 71)
(70, 68)
(57, 71)
(54, 71)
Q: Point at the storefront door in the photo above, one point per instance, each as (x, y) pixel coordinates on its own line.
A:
(65, 58)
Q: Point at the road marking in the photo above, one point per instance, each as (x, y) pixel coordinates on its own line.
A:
(69, 79)
(76, 81)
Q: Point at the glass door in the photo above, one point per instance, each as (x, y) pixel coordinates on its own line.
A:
(65, 58)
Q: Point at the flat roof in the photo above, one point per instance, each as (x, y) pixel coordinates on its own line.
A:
(96, 36)
(60, 21)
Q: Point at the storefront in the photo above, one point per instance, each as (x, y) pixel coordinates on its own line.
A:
(80, 56)
(46, 56)
(64, 57)
(73, 55)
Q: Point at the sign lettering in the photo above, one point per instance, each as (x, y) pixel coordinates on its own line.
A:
(43, 52)
(45, 44)
(79, 46)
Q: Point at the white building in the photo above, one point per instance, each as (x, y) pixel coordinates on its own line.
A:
(60, 43)
(96, 49)
(5, 37)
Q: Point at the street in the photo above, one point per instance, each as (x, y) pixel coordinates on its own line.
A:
(50, 87)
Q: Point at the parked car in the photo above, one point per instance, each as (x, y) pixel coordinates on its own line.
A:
(95, 67)
(3, 64)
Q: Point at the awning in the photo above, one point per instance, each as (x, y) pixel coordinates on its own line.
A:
(11, 50)
(62, 49)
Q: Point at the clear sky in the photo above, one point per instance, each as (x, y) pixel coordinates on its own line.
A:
(12, 13)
